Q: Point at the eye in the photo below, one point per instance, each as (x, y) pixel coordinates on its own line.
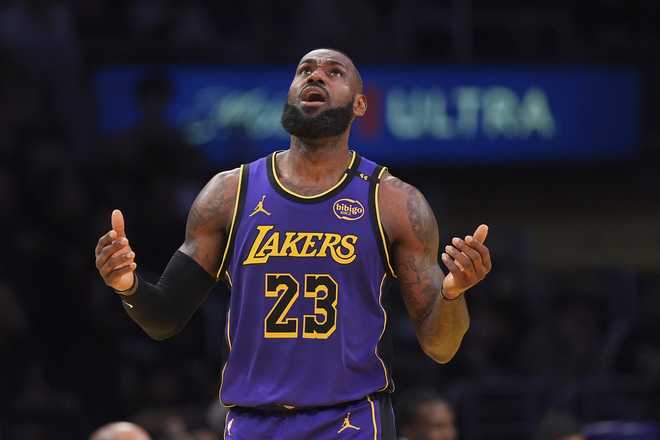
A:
(337, 73)
(304, 71)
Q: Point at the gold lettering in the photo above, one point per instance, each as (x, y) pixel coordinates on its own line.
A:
(342, 248)
(329, 242)
(251, 258)
(309, 243)
(271, 247)
(345, 254)
(290, 245)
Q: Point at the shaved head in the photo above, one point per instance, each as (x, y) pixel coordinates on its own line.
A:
(120, 431)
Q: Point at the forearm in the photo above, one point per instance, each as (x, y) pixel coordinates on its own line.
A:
(440, 323)
(163, 309)
(441, 331)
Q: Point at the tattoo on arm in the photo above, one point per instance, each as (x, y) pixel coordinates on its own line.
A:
(209, 219)
(422, 220)
(416, 250)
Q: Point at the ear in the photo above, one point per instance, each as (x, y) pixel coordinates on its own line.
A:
(360, 105)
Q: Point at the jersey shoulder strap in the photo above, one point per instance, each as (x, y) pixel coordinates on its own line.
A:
(372, 173)
(241, 190)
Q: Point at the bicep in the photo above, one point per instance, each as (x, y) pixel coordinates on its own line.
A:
(414, 230)
(208, 221)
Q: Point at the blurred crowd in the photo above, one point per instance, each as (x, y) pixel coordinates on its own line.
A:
(71, 358)
(256, 31)
(588, 346)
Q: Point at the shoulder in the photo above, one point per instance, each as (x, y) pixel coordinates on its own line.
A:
(221, 189)
(223, 182)
(402, 205)
(395, 194)
(214, 204)
(394, 188)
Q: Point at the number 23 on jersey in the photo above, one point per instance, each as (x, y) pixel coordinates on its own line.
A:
(321, 288)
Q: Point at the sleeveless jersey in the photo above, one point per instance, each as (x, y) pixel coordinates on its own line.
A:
(306, 325)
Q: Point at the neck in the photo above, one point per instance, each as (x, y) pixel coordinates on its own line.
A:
(317, 158)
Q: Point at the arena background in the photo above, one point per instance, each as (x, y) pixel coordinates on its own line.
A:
(566, 322)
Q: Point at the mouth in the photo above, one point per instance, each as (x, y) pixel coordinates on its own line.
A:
(313, 96)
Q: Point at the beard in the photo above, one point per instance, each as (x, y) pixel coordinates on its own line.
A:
(328, 123)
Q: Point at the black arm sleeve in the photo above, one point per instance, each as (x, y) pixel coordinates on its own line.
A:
(164, 309)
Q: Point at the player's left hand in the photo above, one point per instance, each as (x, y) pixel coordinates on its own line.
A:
(468, 262)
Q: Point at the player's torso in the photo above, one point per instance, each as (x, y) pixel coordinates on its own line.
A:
(308, 274)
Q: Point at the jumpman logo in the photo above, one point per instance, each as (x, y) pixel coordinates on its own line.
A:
(347, 424)
(260, 207)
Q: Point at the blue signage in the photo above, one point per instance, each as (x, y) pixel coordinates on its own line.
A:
(430, 115)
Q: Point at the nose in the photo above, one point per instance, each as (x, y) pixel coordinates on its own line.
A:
(317, 76)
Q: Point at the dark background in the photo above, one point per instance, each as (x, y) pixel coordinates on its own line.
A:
(568, 318)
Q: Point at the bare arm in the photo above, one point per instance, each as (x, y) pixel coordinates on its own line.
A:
(209, 220)
(413, 231)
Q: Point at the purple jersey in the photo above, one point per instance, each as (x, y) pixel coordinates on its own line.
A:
(306, 325)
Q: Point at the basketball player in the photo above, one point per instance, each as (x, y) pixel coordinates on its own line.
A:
(309, 239)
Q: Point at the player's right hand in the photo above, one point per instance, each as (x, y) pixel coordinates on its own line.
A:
(115, 260)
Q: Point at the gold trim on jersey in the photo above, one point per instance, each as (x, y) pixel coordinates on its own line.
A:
(222, 380)
(224, 432)
(380, 303)
(293, 193)
(222, 374)
(373, 417)
(228, 321)
(233, 222)
(380, 226)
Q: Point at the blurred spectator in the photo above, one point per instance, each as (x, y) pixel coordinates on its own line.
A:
(423, 415)
(566, 342)
(559, 426)
(490, 344)
(178, 423)
(120, 431)
(216, 415)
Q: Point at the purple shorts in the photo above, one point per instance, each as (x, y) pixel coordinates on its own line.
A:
(371, 418)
